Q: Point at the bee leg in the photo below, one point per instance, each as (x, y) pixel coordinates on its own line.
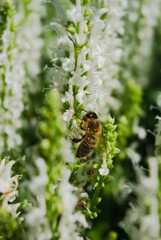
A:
(81, 127)
(76, 140)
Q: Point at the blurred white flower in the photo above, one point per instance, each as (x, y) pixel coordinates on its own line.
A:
(70, 219)
(133, 155)
(158, 135)
(140, 131)
(139, 48)
(67, 152)
(40, 181)
(21, 57)
(36, 220)
(140, 223)
(159, 100)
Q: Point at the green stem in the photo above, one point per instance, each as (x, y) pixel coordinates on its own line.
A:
(94, 200)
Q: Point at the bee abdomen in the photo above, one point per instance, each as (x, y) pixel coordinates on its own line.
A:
(86, 146)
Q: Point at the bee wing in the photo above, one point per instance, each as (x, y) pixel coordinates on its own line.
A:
(86, 146)
(100, 144)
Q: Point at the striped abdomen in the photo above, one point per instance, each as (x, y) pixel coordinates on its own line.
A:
(86, 146)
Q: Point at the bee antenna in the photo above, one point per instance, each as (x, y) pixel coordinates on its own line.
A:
(83, 110)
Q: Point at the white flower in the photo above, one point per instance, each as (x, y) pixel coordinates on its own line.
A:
(104, 171)
(8, 186)
(98, 59)
(75, 12)
(66, 44)
(81, 95)
(68, 115)
(67, 64)
(81, 37)
(12, 208)
(6, 181)
(83, 65)
(23, 56)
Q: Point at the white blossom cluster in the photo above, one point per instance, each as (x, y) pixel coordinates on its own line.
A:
(24, 54)
(142, 220)
(94, 53)
(21, 65)
(8, 187)
(70, 218)
(11, 105)
(36, 221)
(141, 18)
(30, 39)
(92, 64)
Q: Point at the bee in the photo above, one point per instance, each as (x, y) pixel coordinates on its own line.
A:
(92, 126)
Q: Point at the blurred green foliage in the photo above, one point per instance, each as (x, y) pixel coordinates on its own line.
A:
(52, 131)
(6, 12)
(10, 228)
(130, 109)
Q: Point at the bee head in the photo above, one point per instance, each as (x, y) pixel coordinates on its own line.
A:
(90, 115)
